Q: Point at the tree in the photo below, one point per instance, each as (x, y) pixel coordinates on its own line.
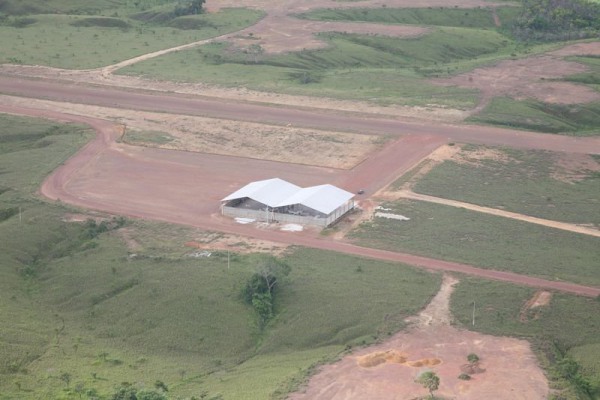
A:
(473, 358)
(430, 381)
(260, 288)
(189, 7)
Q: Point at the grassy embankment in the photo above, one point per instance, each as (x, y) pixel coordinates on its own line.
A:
(84, 310)
(537, 183)
(78, 40)
(564, 334)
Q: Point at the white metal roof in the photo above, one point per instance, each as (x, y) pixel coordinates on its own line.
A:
(270, 192)
(322, 198)
(278, 193)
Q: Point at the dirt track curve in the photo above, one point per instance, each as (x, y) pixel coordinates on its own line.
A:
(72, 184)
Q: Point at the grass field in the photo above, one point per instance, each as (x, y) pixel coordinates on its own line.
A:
(79, 42)
(456, 17)
(485, 241)
(87, 312)
(565, 329)
(576, 119)
(538, 183)
(377, 68)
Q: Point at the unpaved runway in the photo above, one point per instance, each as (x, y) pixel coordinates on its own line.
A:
(310, 118)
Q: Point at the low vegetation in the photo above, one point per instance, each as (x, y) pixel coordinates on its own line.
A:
(563, 333)
(438, 16)
(537, 183)
(101, 307)
(570, 119)
(457, 234)
(82, 41)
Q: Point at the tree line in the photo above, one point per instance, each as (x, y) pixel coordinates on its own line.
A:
(549, 20)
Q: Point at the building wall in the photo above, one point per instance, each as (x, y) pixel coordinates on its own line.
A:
(270, 216)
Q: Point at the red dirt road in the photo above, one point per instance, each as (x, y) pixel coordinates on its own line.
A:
(185, 188)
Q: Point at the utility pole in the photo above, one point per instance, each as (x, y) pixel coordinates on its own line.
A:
(473, 312)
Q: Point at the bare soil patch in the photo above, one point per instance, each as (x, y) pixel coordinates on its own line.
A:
(573, 168)
(232, 138)
(531, 78)
(541, 298)
(284, 34)
(388, 370)
(236, 244)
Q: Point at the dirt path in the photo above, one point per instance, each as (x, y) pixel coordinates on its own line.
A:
(131, 181)
(387, 371)
(407, 194)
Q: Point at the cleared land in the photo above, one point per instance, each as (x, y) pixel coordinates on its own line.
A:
(500, 310)
(124, 178)
(138, 319)
(287, 144)
(387, 370)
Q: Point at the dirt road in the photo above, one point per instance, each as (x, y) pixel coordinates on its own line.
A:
(310, 118)
(185, 188)
(407, 194)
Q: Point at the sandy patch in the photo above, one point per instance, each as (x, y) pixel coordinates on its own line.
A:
(530, 309)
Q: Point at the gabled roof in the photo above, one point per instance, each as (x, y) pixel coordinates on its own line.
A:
(270, 192)
(278, 193)
(323, 198)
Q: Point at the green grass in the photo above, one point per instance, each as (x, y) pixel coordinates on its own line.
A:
(485, 241)
(383, 69)
(576, 119)
(590, 78)
(78, 42)
(456, 17)
(528, 182)
(80, 302)
(141, 137)
(25, 7)
(569, 324)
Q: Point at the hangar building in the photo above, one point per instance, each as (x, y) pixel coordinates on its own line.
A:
(276, 200)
